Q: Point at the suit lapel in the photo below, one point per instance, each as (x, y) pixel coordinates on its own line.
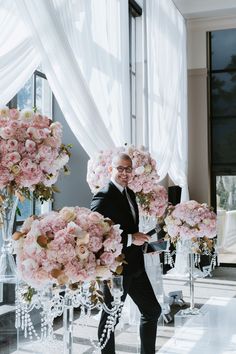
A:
(124, 202)
(135, 205)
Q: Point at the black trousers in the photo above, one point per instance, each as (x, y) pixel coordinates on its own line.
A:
(140, 290)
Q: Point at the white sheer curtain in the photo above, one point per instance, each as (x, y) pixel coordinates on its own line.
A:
(99, 36)
(18, 57)
(167, 90)
(89, 80)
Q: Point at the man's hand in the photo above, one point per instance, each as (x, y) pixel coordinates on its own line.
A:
(139, 238)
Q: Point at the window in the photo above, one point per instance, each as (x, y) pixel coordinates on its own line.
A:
(35, 93)
(134, 11)
(222, 87)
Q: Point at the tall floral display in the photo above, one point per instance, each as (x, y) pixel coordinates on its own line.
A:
(60, 256)
(31, 158)
(192, 225)
(151, 197)
(67, 247)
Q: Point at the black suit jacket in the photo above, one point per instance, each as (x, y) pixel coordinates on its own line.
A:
(112, 204)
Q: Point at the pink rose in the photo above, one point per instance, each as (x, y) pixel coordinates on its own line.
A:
(107, 258)
(95, 244)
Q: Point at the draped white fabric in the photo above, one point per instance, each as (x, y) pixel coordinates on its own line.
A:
(86, 62)
(102, 51)
(18, 57)
(167, 90)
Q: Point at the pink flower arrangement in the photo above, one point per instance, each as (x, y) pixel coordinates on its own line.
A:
(31, 152)
(98, 174)
(191, 221)
(153, 203)
(66, 247)
(152, 198)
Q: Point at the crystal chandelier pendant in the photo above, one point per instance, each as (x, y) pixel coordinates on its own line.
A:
(56, 301)
(8, 205)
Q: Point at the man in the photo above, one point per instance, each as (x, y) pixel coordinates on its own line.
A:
(117, 202)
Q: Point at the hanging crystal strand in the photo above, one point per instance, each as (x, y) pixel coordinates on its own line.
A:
(111, 321)
(8, 205)
(191, 280)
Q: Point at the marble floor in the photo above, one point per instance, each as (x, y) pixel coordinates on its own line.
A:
(221, 285)
(212, 331)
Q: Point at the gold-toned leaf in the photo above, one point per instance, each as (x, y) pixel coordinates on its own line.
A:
(55, 189)
(62, 279)
(56, 272)
(42, 240)
(119, 269)
(17, 235)
(109, 221)
(74, 286)
(20, 196)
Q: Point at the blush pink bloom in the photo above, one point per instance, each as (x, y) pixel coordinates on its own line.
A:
(190, 221)
(59, 243)
(23, 145)
(11, 145)
(152, 202)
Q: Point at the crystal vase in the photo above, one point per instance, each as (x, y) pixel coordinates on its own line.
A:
(191, 310)
(68, 317)
(8, 205)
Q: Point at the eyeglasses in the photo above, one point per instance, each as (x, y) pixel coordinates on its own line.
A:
(121, 169)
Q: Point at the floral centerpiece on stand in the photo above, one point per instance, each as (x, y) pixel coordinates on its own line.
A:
(193, 223)
(151, 197)
(192, 226)
(31, 153)
(31, 158)
(71, 246)
(60, 257)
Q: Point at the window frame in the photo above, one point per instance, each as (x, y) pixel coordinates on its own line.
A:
(13, 103)
(216, 169)
(134, 11)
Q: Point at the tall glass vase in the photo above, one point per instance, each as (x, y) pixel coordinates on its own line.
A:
(192, 310)
(8, 205)
(68, 318)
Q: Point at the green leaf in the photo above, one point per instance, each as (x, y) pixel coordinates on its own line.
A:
(18, 211)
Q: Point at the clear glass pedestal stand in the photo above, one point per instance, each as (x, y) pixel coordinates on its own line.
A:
(8, 205)
(55, 302)
(192, 310)
(68, 319)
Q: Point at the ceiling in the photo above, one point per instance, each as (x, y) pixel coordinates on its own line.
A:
(206, 8)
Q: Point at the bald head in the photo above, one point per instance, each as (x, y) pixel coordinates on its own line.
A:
(121, 157)
(121, 169)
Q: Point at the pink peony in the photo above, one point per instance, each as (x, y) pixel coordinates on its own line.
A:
(191, 221)
(57, 247)
(24, 145)
(152, 199)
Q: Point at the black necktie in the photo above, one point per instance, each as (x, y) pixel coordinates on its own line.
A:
(129, 202)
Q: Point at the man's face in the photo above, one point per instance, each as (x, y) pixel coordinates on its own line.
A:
(122, 172)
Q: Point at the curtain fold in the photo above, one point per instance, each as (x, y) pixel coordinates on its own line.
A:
(86, 61)
(64, 75)
(18, 57)
(102, 52)
(167, 90)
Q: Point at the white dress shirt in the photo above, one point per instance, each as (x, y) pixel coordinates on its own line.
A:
(121, 189)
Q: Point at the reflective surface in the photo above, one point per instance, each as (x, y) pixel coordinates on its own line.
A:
(226, 218)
